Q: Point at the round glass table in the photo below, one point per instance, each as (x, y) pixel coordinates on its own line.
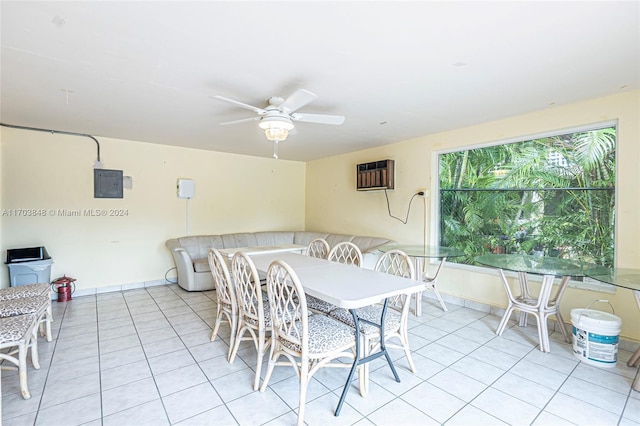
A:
(418, 253)
(542, 305)
(625, 278)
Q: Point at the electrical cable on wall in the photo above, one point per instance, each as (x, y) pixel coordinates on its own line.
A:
(187, 217)
(167, 273)
(406, 219)
(13, 126)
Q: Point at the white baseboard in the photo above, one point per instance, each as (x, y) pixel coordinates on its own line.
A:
(122, 287)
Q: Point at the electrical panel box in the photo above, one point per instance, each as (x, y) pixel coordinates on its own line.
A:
(186, 188)
(107, 183)
(375, 175)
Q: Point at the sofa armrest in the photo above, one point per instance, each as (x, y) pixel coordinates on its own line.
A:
(184, 264)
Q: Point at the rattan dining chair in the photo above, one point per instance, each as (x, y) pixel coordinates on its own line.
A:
(346, 252)
(318, 248)
(394, 262)
(308, 342)
(227, 305)
(254, 315)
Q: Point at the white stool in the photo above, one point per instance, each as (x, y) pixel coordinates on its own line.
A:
(20, 331)
(40, 306)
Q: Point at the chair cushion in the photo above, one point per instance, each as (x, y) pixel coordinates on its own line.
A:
(325, 335)
(21, 291)
(268, 321)
(319, 305)
(27, 305)
(371, 313)
(14, 329)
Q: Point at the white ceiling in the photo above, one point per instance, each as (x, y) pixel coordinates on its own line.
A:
(147, 71)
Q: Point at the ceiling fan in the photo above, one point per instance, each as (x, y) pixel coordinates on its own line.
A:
(277, 118)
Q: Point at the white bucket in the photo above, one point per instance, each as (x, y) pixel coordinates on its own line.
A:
(595, 337)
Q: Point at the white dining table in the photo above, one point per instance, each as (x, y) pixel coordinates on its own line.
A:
(348, 287)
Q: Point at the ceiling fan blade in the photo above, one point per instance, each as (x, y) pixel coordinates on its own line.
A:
(297, 100)
(318, 118)
(243, 105)
(242, 120)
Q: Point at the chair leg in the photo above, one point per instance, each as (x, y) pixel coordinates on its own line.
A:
(22, 369)
(524, 317)
(563, 329)
(233, 324)
(260, 356)
(435, 290)
(504, 320)
(304, 382)
(217, 326)
(418, 308)
(407, 352)
(363, 379)
(634, 361)
(272, 363)
(543, 333)
(236, 344)
(49, 320)
(367, 346)
(33, 345)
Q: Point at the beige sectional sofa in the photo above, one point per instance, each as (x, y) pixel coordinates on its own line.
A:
(190, 253)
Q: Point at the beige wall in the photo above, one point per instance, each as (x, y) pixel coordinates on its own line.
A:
(233, 193)
(334, 204)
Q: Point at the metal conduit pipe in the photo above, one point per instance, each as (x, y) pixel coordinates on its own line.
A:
(13, 126)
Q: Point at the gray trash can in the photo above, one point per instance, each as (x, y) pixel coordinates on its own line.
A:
(31, 265)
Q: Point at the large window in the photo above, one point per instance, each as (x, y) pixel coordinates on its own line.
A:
(553, 195)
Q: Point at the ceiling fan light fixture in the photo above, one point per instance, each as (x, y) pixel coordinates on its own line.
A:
(276, 128)
(275, 134)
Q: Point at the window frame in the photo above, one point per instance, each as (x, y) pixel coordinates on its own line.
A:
(434, 225)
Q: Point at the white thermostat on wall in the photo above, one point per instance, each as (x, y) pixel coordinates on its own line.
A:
(186, 188)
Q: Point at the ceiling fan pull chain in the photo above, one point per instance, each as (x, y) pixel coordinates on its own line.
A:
(275, 149)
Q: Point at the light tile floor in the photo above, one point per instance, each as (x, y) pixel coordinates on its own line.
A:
(143, 357)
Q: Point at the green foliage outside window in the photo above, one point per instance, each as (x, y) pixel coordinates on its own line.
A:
(552, 196)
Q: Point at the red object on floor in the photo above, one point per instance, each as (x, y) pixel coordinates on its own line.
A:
(64, 287)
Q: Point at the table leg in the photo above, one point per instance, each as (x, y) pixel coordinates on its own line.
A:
(359, 361)
(634, 361)
(418, 265)
(524, 293)
(541, 306)
(429, 281)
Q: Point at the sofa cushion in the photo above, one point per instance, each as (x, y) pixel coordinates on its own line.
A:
(243, 239)
(201, 265)
(271, 238)
(198, 245)
(334, 239)
(304, 238)
(369, 243)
